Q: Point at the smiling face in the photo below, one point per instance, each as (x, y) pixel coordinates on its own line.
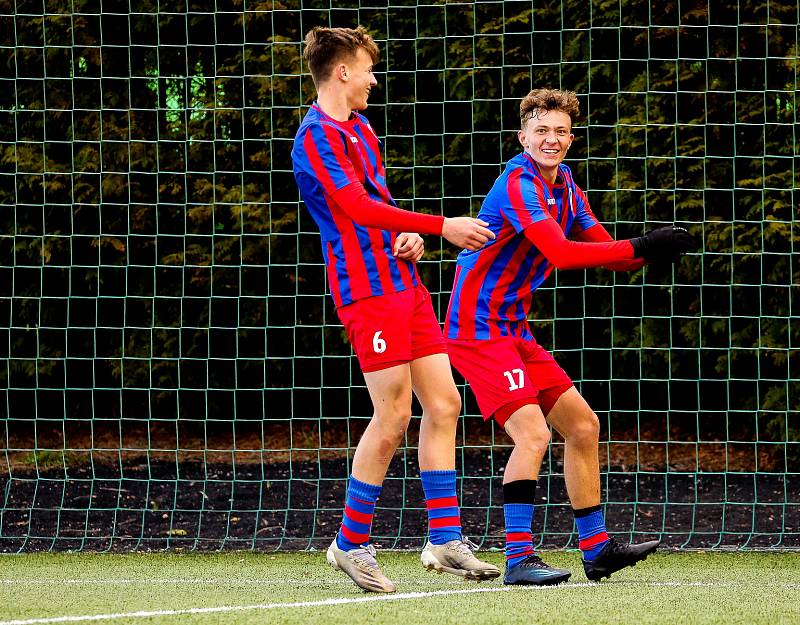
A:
(546, 136)
(358, 79)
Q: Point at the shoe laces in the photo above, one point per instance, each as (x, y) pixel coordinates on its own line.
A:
(464, 546)
(364, 556)
(533, 561)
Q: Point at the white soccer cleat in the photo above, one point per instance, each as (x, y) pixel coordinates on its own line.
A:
(456, 557)
(362, 567)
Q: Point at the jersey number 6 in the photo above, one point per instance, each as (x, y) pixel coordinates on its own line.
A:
(378, 344)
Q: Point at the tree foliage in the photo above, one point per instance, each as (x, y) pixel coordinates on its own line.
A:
(152, 238)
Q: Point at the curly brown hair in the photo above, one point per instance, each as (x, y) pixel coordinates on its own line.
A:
(324, 47)
(549, 100)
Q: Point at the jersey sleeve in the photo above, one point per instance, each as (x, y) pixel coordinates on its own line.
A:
(598, 234)
(526, 202)
(548, 238)
(362, 209)
(324, 156)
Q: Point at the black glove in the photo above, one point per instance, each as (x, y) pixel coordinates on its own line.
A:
(664, 244)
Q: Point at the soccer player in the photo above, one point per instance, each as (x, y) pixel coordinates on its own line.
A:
(532, 208)
(370, 248)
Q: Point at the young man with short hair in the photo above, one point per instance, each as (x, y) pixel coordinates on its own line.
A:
(532, 208)
(383, 305)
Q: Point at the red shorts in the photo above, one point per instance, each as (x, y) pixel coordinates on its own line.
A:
(507, 373)
(393, 329)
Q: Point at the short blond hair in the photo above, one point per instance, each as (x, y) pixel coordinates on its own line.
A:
(549, 100)
(326, 46)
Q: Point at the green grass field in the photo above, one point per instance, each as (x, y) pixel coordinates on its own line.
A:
(301, 588)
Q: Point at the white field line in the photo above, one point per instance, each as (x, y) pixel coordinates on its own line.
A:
(242, 608)
(217, 581)
(350, 600)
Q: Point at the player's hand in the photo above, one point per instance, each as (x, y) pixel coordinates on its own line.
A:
(408, 246)
(664, 245)
(466, 232)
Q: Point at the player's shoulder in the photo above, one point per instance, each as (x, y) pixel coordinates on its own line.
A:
(515, 167)
(311, 117)
(320, 128)
(500, 189)
(520, 161)
(522, 166)
(522, 169)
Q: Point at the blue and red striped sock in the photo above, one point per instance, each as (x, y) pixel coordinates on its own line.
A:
(359, 507)
(518, 506)
(519, 542)
(592, 534)
(444, 517)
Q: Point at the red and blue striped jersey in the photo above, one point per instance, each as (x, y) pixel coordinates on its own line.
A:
(494, 286)
(327, 156)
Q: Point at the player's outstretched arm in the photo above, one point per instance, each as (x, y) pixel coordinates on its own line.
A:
(549, 239)
(361, 208)
(466, 232)
(356, 203)
(598, 234)
(661, 245)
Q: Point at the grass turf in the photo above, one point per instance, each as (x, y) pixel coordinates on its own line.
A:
(728, 588)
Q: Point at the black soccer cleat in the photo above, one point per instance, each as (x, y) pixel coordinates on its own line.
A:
(533, 571)
(616, 556)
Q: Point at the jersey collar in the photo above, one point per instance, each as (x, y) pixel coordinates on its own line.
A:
(349, 124)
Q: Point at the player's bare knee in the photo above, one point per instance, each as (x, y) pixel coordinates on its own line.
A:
(444, 410)
(451, 404)
(533, 440)
(585, 431)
